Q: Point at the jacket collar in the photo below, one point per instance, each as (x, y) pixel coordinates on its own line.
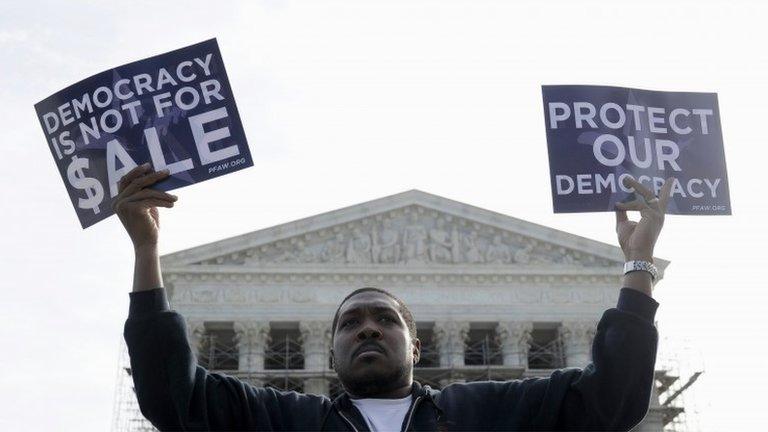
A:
(419, 395)
(343, 401)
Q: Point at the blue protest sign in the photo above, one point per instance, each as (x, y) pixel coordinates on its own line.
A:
(175, 110)
(597, 135)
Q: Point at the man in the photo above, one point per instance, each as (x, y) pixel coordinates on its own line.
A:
(375, 348)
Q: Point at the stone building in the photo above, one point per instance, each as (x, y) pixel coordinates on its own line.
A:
(494, 297)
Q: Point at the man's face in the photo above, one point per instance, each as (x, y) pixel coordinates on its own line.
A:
(372, 349)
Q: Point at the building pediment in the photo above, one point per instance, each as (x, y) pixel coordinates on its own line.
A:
(411, 229)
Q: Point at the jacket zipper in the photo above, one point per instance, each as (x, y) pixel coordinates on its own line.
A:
(410, 415)
(407, 424)
(347, 420)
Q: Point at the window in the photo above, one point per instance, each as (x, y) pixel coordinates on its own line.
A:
(218, 350)
(482, 346)
(284, 350)
(546, 350)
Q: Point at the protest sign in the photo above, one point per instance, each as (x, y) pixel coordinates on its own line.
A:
(598, 135)
(175, 111)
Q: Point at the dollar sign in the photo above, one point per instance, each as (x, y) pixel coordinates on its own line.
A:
(92, 187)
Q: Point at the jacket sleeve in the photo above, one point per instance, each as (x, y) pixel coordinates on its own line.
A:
(174, 393)
(613, 392)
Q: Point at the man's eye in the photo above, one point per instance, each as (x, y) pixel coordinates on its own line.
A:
(347, 323)
(387, 319)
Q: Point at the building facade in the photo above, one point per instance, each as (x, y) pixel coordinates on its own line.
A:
(494, 297)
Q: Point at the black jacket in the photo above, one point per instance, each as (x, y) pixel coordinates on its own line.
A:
(611, 393)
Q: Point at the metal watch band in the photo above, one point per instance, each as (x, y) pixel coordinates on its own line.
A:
(646, 266)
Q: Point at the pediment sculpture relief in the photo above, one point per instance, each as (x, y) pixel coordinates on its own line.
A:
(412, 236)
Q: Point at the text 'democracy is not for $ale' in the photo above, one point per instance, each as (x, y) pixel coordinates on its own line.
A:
(175, 111)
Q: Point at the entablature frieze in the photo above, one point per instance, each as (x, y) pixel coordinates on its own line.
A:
(602, 292)
(335, 275)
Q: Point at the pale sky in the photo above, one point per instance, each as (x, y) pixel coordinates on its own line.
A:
(348, 101)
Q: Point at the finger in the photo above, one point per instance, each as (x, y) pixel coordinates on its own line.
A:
(128, 207)
(154, 202)
(136, 172)
(639, 188)
(144, 181)
(151, 193)
(621, 216)
(665, 193)
(635, 205)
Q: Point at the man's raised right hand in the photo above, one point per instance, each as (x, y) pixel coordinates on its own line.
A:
(136, 205)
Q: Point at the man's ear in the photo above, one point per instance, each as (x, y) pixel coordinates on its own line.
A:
(416, 351)
(333, 360)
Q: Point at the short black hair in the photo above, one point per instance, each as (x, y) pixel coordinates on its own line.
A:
(401, 306)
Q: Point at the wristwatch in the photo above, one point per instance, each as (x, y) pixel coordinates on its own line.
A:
(646, 266)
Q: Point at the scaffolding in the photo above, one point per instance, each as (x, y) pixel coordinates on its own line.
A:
(679, 367)
(284, 362)
(218, 353)
(284, 351)
(126, 415)
(482, 350)
(545, 350)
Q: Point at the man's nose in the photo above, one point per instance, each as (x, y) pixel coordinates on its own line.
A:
(368, 331)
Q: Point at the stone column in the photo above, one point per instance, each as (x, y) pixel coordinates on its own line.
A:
(195, 335)
(451, 341)
(515, 340)
(316, 342)
(577, 339)
(251, 338)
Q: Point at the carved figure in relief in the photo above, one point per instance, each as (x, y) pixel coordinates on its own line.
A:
(287, 255)
(359, 247)
(498, 252)
(253, 257)
(306, 254)
(375, 244)
(455, 245)
(471, 250)
(523, 255)
(440, 243)
(566, 256)
(385, 249)
(334, 249)
(414, 242)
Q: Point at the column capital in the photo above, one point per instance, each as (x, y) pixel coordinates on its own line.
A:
(451, 338)
(515, 341)
(578, 332)
(251, 338)
(577, 339)
(451, 329)
(316, 342)
(195, 333)
(517, 332)
(315, 330)
(251, 333)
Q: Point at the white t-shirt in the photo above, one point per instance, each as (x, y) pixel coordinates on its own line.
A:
(383, 415)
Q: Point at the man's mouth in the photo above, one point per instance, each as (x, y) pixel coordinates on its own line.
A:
(368, 348)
